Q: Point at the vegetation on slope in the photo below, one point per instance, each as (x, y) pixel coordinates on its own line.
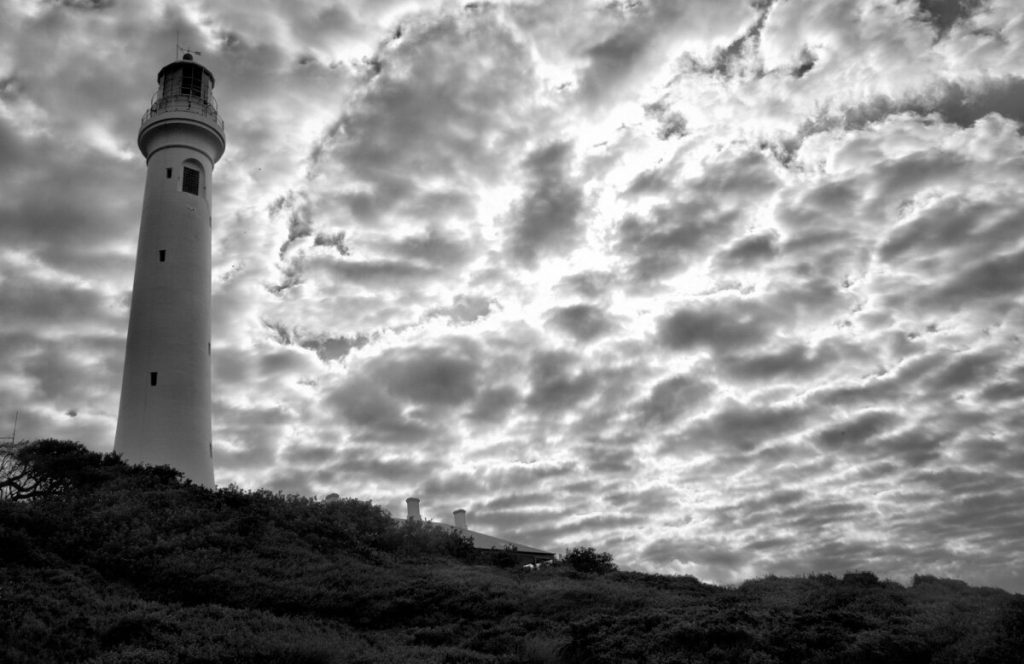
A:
(102, 562)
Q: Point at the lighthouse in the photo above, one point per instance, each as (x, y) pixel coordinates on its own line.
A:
(164, 416)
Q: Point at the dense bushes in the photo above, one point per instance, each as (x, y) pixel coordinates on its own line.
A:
(111, 563)
(589, 561)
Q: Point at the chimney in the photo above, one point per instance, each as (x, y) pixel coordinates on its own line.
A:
(414, 508)
(460, 519)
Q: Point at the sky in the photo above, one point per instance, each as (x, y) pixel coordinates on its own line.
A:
(725, 288)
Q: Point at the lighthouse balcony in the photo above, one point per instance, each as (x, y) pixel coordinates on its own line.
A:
(207, 108)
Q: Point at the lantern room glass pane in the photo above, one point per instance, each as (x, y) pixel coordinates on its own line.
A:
(192, 80)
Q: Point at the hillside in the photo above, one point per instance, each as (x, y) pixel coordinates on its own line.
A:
(102, 562)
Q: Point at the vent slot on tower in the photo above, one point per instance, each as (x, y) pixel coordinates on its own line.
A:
(190, 181)
(163, 255)
(152, 378)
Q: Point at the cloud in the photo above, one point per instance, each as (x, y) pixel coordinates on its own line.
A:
(436, 109)
(749, 252)
(556, 383)
(374, 415)
(719, 325)
(852, 435)
(965, 370)
(943, 14)
(795, 361)
(582, 321)
(546, 218)
(443, 375)
(738, 426)
(676, 397)
(494, 404)
(703, 212)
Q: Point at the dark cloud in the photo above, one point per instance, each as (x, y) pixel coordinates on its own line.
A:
(966, 370)
(85, 230)
(653, 500)
(794, 361)
(546, 218)
(367, 462)
(691, 550)
(675, 397)
(586, 284)
(599, 523)
(704, 212)
(722, 325)
(336, 240)
(758, 508)
(807, 62)
(374, 415)
(312, 454)
(959, 103)
(915, 446)
(255, 432)
(741, 55)
(333, 348)
(895, 386)
(953, 227)
(944, 14)
(614, 455)
(30, 300)
(435, 247)
(369, 272)
(516, 476)
(749, 252)
(584, 322)
(671, 124)
(917, 170)
(299, 216)
(852, 435)
(444, 104)
(467, 308)
(1006, 390)
(557, 383)
(505, 501)
(457, 486)
(88, 4)
(613, 61)
(494, 404)
(736, 427)
(998, 277)
(660, 245)
(442, 375)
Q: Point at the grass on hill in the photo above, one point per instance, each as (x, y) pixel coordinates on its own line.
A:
(104, 563)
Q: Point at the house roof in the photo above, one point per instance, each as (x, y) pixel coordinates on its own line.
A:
(483, 541)
(488, 542)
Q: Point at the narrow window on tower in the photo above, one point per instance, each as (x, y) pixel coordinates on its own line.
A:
(169, 171)
(190, 181)
(152, 378)
(163, 255)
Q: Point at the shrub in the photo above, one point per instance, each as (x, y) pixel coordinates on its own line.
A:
(589, 561)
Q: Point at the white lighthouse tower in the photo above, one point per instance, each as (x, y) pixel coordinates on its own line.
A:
(164, 416)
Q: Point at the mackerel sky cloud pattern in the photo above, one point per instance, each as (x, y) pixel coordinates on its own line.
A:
(724, 287)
